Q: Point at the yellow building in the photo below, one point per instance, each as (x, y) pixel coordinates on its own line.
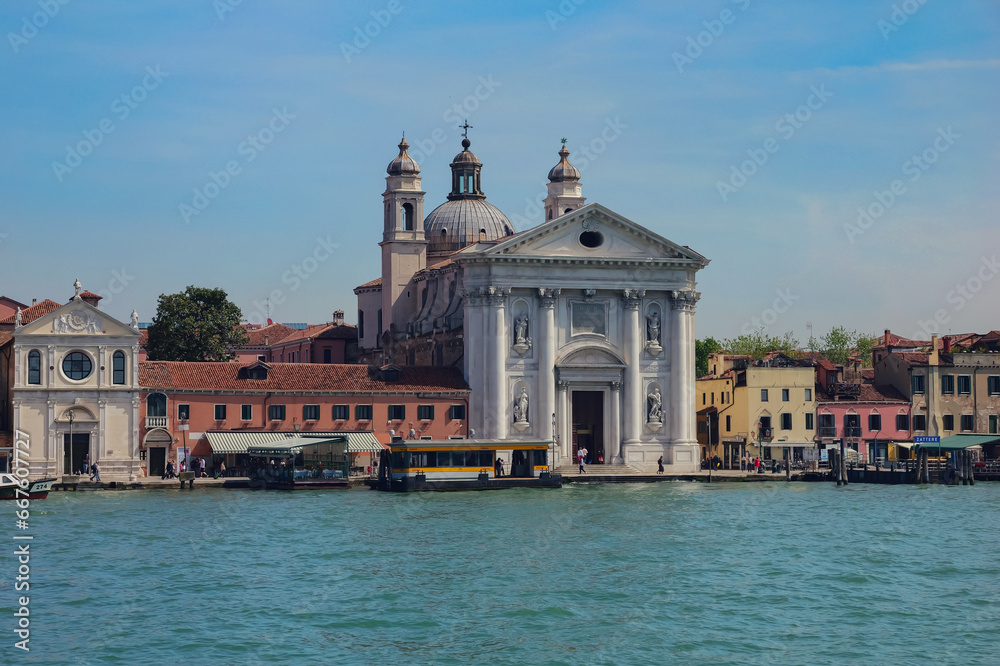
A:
(761, 408)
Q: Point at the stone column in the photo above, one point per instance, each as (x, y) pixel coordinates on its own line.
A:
(563, 423)
(496, 368)
(474, 341)
(615, 455)
(683, 428)
(546, 338)
(634, 397)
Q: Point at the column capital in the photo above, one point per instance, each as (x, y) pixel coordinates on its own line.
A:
(547, 297)
(632, 298)
(684, 300)
(616, 386)
(562, 384)
(494, 295)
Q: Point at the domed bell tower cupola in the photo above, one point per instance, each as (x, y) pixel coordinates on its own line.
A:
(465, 170)
(565, 192)
(404, 249)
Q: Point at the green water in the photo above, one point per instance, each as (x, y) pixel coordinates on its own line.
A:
(658, 573)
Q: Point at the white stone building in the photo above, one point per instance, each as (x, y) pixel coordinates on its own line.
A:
(76, 391)
(580, 330)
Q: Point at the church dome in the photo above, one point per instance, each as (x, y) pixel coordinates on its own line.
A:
(466, 156)
(563, 171)
(403, 165)
(461, 222)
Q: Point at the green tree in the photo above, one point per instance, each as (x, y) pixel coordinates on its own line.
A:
(837, 345)
(756, 345)
(702, 348)
(864, 345)
(199, 324)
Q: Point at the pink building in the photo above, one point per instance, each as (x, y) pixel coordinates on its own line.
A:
(334, 342)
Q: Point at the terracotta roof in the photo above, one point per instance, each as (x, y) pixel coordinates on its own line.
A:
(868, 374)
(169, 375)
(900, 341)
(866, 393)
(143, 336)
(913, 358)
(5, 337)
(89, 294)
(34, 312)
(323, 332)
(377, 282)
(272, 333)
(826, 364)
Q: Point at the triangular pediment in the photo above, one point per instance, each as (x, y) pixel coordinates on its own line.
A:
(76, 318)
(594, 231)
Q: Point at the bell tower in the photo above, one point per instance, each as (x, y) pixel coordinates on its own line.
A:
(404, 249)
(565, 193)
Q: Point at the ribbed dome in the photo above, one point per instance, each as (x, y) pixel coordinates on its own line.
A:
(564, 170)
(466, 156)
(403, 164)
(461, 222)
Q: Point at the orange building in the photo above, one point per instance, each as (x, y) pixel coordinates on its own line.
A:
(215, 410)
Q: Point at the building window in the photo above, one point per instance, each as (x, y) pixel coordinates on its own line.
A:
(827, 425)
(713, 397)
(246, 412)
(361, 324)
(261, 357)
(456, 413)
(310, 412)
(903, 422)
(917, 382)
(327, 356)
(852, 425)
(809, 395)
(343, 412)
(786, 421)
(183, 412)
(34, 367)
(363, 412)
(875, 422)
(397, 412)
(964, 385)
(729, 423)
(809, 420)
(993, 385)
(968, 422)
(425, 412)
(947, 384)
(920, 422)
(118, 367)
(763, 395)
(276, 412)
(993, 424)
(378, 332)
(156, 404)
(704, 399)
(948, 422)
(784, 395)
(77, 365)
(407, 217)
(220, 412)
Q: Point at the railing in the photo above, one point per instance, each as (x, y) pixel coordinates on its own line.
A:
(156, 422)
(852, 432)
(828, 431)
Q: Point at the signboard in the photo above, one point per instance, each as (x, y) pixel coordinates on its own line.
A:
(927, 440)
(824, 455)
(810, 455)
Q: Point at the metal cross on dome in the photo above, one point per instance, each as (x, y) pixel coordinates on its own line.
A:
(563, 141)
(466, 127)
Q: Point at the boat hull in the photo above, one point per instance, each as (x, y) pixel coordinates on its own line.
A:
(36, 490)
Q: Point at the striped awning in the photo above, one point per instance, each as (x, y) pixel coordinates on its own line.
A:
(239, 442)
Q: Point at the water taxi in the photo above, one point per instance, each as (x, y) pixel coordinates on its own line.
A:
(300, 463)
(10, 485)
(466, 464)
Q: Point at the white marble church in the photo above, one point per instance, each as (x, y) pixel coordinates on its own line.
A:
(580, 330)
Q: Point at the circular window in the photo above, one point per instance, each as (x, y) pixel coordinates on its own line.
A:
(591, 239)
(77, 365)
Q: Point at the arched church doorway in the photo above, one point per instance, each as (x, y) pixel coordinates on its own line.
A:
(588, 426)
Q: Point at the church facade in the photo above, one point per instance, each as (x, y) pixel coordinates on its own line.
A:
(579, 331)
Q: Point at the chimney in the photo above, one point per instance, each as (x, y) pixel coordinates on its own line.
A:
(338, 317)
(947, 344)
(34, 301)
(886, 339)
(932, 358)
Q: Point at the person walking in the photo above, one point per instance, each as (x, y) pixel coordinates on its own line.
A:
(498, 468)
(582, 453)
(95, 472)
(659, 465)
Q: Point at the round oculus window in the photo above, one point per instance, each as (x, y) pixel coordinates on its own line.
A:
(591, 239)
(77, 365)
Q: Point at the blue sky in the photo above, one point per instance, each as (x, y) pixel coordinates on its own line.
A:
(689, 94)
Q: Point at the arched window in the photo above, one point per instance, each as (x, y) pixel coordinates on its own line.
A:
(34, 367)
(118, 368)
(156, 404)
(361, 324)
(408, 217)
(482, 234)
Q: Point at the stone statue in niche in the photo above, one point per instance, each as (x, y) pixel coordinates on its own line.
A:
(522, 342)
(653, 332)
(655, 407)
(521, 407)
